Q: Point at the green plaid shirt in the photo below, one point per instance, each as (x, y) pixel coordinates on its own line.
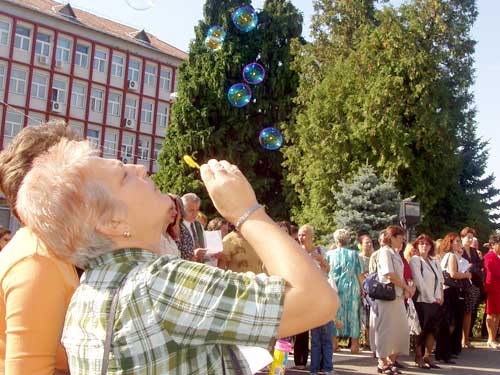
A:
(172, 315)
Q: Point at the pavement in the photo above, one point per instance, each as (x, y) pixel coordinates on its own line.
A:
(478, 361)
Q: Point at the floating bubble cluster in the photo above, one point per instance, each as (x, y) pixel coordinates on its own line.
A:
(271, 139)
(141, 4)
(254, 73)
(245, 18)
(215, 38)
(239, 95)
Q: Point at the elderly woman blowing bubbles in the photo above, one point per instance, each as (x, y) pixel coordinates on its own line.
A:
(172, 316)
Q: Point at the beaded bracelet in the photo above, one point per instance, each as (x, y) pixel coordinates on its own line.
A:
(246, 215)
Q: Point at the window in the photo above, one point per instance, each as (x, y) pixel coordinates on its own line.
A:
(156, 151)
(4, 33)
(143, 149)
(42, 47)
(39, 86)
(127, 147)
(2, 76)
(110, 143)
(23, 38)
(63, 50)
(133, 70)
(59, 91)
(117, 66)
(162, 116)
(114, 104)
(78, 95)
(165, 80)
(99, 61)
(17, 81)
(147, 113)
(93, 137)
(13, 124)
(150, 75)
(130, 108)
(96, 100)
(82, 56)
(35, 120)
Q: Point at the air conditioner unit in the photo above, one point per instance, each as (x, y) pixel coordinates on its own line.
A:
(132, 85)
(129, 123)
(42, 59)
(56, 107)
(124, 160)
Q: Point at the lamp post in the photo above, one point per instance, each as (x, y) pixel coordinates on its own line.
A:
(409, 216)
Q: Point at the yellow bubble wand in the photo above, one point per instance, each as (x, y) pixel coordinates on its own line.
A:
(190, 161)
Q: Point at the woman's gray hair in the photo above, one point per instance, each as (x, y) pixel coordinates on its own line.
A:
(63, 206)
(341, 236)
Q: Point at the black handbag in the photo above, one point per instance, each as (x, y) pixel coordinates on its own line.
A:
(378, 290)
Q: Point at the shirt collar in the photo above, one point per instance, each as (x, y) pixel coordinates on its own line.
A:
(133, 255)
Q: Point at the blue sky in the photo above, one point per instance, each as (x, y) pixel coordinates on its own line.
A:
(174, 21)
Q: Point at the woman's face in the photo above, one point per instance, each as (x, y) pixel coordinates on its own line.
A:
(467, 240)
(172, 213)
(456, 246)
(423, 248)
(496, 248)
(5, 240)
(397, 242)
(147, 209)
(367, 245)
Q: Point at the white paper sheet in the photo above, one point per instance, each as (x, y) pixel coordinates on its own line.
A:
(213, 241)
(256, 357)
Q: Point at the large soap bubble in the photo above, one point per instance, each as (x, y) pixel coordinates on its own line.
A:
(254, 73)
(215, 38)
(271, 139)
(141, 4)
(245, 18)
(239, 95)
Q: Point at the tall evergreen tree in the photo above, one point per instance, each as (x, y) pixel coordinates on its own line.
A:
(367, 204)
(203, 122)
(394, 91)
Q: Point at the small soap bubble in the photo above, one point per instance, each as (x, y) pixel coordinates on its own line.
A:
(217, 32)
(239, 95)
(141, 4)
(254, 73)
(245, 18)
(271, 139)
(213, 44)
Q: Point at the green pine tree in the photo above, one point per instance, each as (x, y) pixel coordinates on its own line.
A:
(367, 204)
(205, 125)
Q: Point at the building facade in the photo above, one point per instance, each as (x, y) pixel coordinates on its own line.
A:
(111, 83)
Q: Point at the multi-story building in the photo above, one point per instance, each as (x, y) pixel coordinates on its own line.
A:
(111, 83)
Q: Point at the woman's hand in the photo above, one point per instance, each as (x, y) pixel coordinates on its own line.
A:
(228, 188)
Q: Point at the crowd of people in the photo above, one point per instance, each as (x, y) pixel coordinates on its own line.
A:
(154, 298)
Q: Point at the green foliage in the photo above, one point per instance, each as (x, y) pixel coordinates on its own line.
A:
(205, 125)
(385, 86)
(367, 204)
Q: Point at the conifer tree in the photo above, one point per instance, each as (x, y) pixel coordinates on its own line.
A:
(203, 122)
(367, 204)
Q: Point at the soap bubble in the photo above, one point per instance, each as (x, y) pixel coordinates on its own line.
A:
(141, 4)
(239, 95)
(254, 73)
(217, 32)
(271, 139)
(212, 43)
(245, 18)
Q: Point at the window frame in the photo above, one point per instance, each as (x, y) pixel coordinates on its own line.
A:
(80, 56)
(150, 77)
(160, 116)
(133, 73)
(146, 114)
(143, 150)
(163, 80)
(11, 124)
(96, 103)
(63, 53)
(99, 61)
(78, 98)
(4, 33)
(15, 81)
(37, 86)
(61, 92)
(45, 46)
(114, 106)
(117, 66)
(20, 40)
(129, 109)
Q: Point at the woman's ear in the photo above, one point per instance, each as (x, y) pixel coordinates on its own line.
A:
(114, 227)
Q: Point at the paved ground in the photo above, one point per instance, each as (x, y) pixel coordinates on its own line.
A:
(478, 361)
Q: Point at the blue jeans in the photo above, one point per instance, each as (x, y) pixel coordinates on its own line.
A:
(321, 348)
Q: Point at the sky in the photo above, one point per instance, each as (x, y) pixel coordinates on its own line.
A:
(174, 21)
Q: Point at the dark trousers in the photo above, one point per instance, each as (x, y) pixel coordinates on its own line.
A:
(301, 349)
(449, 338)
